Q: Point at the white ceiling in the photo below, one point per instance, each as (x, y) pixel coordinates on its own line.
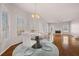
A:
(53, 12)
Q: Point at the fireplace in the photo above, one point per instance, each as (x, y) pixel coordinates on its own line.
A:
(57, 31)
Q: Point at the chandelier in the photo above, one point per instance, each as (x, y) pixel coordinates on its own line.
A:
(35, 15)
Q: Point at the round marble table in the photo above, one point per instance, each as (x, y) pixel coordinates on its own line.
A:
(48, 49)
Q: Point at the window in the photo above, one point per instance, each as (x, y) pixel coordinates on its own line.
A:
(20, 25)
(5, 24)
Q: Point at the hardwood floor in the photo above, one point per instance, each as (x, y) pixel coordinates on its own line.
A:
(9, 51)
(72, 49)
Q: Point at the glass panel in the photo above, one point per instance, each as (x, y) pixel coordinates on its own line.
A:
(5, 24)
(0, 24)
(20, 25)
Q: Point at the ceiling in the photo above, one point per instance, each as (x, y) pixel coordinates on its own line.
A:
(53, 12)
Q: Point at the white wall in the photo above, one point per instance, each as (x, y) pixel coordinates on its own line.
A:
(75, 28)
(63, 26)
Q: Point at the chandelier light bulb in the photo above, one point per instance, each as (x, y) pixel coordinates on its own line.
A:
(33, 16)
(37, 16)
